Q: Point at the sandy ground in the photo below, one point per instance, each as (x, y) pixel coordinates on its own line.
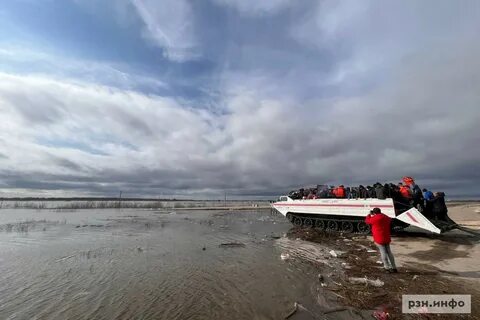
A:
(454, 251)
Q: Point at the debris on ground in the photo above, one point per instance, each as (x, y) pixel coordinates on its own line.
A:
(383, 292)
(381, 315)
(333, 253)
(232, 245)
(294, 310)
(346, 265)
(284, 256)
(375, 283)
(297, 307)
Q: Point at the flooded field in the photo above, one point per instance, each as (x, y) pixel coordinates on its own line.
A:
(214, 264)
(148, 264)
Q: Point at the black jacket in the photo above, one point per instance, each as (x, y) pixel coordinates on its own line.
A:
(380, 192)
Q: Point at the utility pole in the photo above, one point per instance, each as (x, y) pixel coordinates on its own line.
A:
(225, 199)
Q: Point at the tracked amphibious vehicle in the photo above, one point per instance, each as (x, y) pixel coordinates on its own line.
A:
(348, 215)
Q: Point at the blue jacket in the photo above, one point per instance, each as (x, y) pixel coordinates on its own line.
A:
(428, 195)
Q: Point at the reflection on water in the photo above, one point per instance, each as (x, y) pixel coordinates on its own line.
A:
(144, 264)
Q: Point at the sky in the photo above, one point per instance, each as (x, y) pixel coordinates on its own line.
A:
(250, 98)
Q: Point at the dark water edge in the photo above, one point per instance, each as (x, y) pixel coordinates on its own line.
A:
(147, 264)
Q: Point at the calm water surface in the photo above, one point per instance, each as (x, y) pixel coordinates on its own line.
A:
(145, 264)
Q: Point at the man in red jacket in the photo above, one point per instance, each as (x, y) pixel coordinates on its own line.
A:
(381, 236)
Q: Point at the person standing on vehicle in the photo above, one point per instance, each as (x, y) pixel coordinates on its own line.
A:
(428, 198)
(381, 236)
(427, 194)
(340, 191)
(417, 197)
(405, 191)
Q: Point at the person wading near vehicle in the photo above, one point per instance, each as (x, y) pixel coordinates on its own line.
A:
(381, 236)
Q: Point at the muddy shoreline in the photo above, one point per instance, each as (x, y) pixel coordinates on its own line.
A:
(355, 256)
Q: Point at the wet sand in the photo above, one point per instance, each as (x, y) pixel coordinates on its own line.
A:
(163, 264)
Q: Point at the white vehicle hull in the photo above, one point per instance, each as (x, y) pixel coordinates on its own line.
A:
(336, 207)
(347, 214)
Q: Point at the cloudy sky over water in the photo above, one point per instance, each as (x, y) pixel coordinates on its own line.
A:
(195, 98)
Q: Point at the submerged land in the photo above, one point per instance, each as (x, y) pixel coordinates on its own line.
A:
(129, 203)
(158, 259)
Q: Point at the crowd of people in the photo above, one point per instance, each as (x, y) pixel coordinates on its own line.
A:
(406, 193)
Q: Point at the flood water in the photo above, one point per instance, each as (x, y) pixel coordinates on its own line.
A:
(146, 264)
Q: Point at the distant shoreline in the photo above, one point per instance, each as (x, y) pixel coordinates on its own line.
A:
(122, 199)
(157, 199)
(129, 203)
